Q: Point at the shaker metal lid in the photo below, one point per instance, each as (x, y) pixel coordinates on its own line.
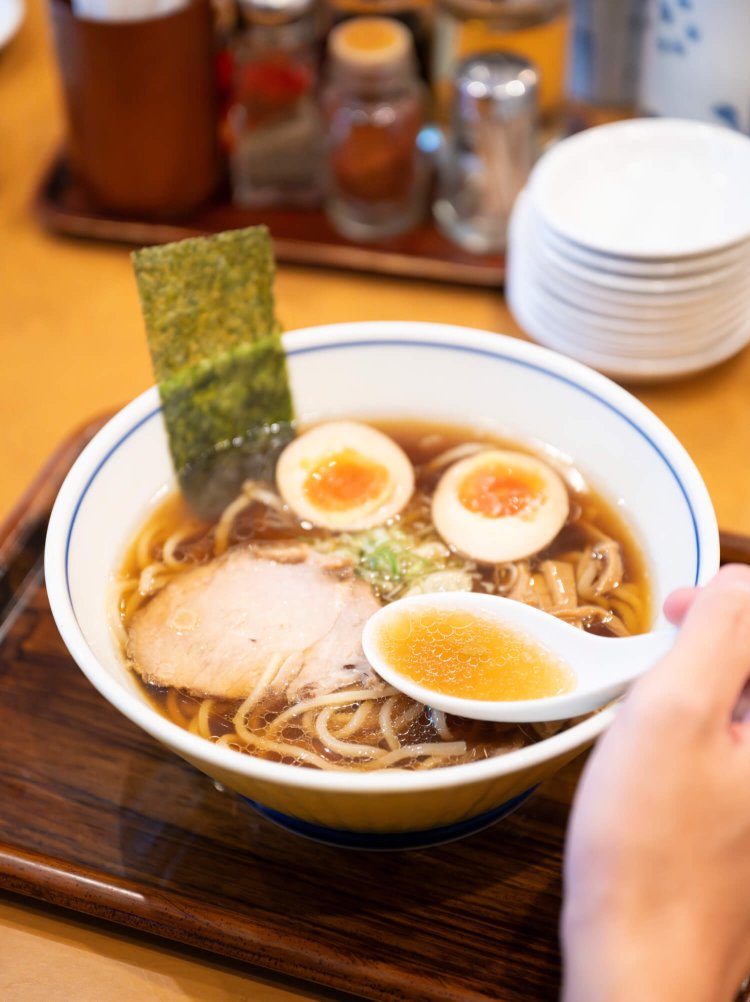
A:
(495, 84)
(274, 11)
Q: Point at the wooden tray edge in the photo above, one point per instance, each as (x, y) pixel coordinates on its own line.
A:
(734, 548)
(172, 919)
(346, 256)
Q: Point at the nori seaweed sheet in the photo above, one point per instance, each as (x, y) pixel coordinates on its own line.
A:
(227, 419)
(204, 295)
(218, 359)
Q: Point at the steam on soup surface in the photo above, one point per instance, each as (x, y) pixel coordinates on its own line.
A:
(248, 631)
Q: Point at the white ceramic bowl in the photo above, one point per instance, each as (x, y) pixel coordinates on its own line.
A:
(379, 370)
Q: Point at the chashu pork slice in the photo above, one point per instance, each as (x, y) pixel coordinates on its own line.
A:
(214, 629)
(336, 659)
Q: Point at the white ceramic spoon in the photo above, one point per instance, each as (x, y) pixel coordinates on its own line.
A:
(602, 667)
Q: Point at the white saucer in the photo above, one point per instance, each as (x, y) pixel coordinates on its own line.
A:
(616, 336)
(660, 286)
(623, 356)
(610, 346)
(647, 309)
(619, 366)
(664, 307)
(677, 333)
(647, 188)
(674, 268)
(636, 324)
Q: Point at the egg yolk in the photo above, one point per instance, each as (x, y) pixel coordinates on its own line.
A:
(496, 491)
(461, 654)
(345, 480)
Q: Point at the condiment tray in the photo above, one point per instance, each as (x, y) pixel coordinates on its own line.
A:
(300, 236)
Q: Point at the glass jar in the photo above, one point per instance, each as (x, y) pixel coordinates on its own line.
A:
(275, 129)
(374, 105)
(489, 151)
(537, 30)
(604, 65)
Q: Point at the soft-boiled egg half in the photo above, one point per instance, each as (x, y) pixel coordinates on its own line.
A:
(344, 475)
(499, 505)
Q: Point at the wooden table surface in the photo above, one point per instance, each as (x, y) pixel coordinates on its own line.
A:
(73, 347)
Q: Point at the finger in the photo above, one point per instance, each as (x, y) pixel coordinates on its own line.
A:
(679, 601)
(712, 652)
(677, 604)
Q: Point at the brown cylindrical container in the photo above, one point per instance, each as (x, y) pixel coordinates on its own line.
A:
(140, 100)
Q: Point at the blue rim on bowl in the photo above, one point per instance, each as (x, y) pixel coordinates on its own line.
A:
(427, 838)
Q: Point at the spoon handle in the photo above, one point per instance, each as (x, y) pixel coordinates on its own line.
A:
(629, 657)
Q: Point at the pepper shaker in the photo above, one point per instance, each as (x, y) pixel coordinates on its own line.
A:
(490, 150)
(537, 30)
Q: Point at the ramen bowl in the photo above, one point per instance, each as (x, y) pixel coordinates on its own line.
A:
(387, 371)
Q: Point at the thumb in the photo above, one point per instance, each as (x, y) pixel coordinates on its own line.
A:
(712, 653)
(677, 604)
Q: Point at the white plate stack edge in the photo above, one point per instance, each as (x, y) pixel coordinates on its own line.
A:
(629, 248)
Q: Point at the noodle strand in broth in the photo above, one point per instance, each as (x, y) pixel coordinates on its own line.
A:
(592, 576)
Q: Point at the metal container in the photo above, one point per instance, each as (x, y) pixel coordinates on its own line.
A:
(490, 150)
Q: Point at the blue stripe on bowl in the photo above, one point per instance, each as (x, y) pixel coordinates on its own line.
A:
(406, 343)
(383, 842)
(94, 474)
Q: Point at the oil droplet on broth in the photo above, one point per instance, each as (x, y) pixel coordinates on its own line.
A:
(460, 654)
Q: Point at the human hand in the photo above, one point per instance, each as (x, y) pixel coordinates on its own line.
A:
(657, 867)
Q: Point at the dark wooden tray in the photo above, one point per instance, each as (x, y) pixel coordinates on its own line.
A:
(299, 236)
(99, 818)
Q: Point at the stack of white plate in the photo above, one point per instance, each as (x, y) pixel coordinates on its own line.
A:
(629, 248)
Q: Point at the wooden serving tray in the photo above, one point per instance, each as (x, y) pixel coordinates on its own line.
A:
(299, 236)
(99, 818)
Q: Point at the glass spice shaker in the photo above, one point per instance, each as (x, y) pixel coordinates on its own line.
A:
(490, 151)
(276, 135)
(374, 105)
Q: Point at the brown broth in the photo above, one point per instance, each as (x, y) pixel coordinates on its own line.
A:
(422, 441)
(470, 656)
